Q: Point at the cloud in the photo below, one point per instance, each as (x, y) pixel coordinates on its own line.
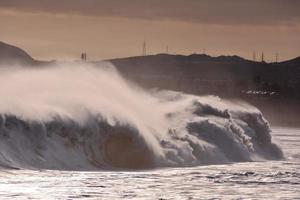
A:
(225, 12)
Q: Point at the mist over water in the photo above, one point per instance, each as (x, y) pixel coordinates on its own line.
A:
(76, 116)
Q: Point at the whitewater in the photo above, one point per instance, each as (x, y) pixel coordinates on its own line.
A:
(75, 123)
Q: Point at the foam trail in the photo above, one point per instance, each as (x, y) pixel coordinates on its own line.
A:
(75, 116)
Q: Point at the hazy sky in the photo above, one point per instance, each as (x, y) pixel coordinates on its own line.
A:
(62, 29)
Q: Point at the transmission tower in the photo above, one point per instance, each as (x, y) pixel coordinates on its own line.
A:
(83, 56)
(144, 52)
(254, 56)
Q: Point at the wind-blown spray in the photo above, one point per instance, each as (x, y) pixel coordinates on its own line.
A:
(75, 116)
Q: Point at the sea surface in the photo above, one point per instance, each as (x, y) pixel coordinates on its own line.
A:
(248, 180)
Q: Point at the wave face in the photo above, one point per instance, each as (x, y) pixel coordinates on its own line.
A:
(76, 116)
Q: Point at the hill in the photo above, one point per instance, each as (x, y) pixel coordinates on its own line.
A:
(197, 73)
(203, 74)
(10, 54)
(292, 62)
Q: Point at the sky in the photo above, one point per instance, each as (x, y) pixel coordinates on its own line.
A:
(63, 29)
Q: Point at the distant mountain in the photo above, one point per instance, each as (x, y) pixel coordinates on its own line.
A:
(196, 73)
(203, 74)
(195, 66)
(293, 62)
(11, 55)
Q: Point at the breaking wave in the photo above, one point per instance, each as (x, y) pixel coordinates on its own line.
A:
(75, 116)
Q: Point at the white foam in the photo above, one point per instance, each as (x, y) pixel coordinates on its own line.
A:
(94, 102)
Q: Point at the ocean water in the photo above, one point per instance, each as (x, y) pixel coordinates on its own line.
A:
(80, 131)
(249, 180)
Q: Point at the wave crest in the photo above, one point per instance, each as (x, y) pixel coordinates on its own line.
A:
(103, 122)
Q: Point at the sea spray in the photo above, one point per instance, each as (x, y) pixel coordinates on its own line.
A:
(77, 116)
